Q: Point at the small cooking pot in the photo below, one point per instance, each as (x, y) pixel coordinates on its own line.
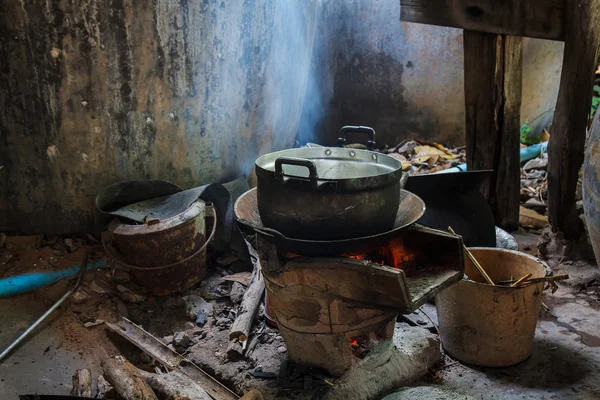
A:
(326, 193)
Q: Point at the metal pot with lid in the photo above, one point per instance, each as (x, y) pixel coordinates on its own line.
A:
(328, 193)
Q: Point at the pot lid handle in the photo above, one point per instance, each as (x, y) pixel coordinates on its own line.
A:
(360, 129)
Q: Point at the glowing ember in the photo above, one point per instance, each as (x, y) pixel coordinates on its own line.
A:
(396, 254)
(353, 343)
(393, 255)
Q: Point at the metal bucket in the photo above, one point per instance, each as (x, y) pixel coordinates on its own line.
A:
(163, 243)
(491, 326)
(167, 257)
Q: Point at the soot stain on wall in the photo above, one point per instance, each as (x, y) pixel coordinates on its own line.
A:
(404, 80)
(94, 92)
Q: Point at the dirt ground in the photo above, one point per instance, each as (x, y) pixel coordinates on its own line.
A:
(564, 362)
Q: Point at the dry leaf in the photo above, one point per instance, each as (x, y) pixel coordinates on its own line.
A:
(445, 150)
(433, 160)
(405, 163)
(531, 219)
(407, 147)
(440, 168)
(398, 156)
(242, 277)
(424, 153)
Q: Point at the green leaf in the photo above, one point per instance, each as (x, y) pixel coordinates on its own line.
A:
(525, 129)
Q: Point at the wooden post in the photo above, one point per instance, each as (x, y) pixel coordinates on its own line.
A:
(568, 132)
(492, 108)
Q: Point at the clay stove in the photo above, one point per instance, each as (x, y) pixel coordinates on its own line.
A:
(333, 311)
(336, 302)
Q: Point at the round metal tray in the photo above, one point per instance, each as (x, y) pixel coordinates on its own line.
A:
(411, 208)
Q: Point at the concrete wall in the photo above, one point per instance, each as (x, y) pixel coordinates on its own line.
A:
(403, 79)
(542, 64)
(93, 92)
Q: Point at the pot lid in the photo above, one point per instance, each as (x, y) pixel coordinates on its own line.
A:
(332, 163)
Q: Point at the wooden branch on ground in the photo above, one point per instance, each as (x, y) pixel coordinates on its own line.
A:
(240, 329)
(82, 383)
(126, 379)
(235, 350)
(492, 70)
(568, 132)
(104, 389)
(174, 386)
(170, 359)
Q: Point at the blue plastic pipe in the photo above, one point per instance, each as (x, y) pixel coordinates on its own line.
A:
(533, 151)
(456, 168)
(26, 283)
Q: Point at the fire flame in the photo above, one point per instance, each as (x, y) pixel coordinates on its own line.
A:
(353, 343)
(397, 254)
(394, 255)
(364, 257)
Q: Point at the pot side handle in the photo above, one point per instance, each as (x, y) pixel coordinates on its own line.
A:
(313, 176)
(360, 129)
(403, 180)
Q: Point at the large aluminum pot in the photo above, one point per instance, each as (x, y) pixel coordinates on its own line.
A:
(325, 193)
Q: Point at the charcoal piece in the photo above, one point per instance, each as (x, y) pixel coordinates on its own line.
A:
(201, 318)
(283, 370)
(259, 373)
(308, 382)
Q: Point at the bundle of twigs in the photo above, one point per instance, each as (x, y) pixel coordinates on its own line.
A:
(528, 280)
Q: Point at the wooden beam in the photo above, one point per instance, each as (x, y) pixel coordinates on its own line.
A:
(508, 163)
(492, 68)
(544, 19)
(568, 132)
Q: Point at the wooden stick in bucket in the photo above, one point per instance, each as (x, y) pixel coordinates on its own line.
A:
(475, 262)
(523, 278)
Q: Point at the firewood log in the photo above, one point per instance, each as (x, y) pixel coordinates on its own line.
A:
(126, 379)
(175, 385)
(243, 322)
(82, 383)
